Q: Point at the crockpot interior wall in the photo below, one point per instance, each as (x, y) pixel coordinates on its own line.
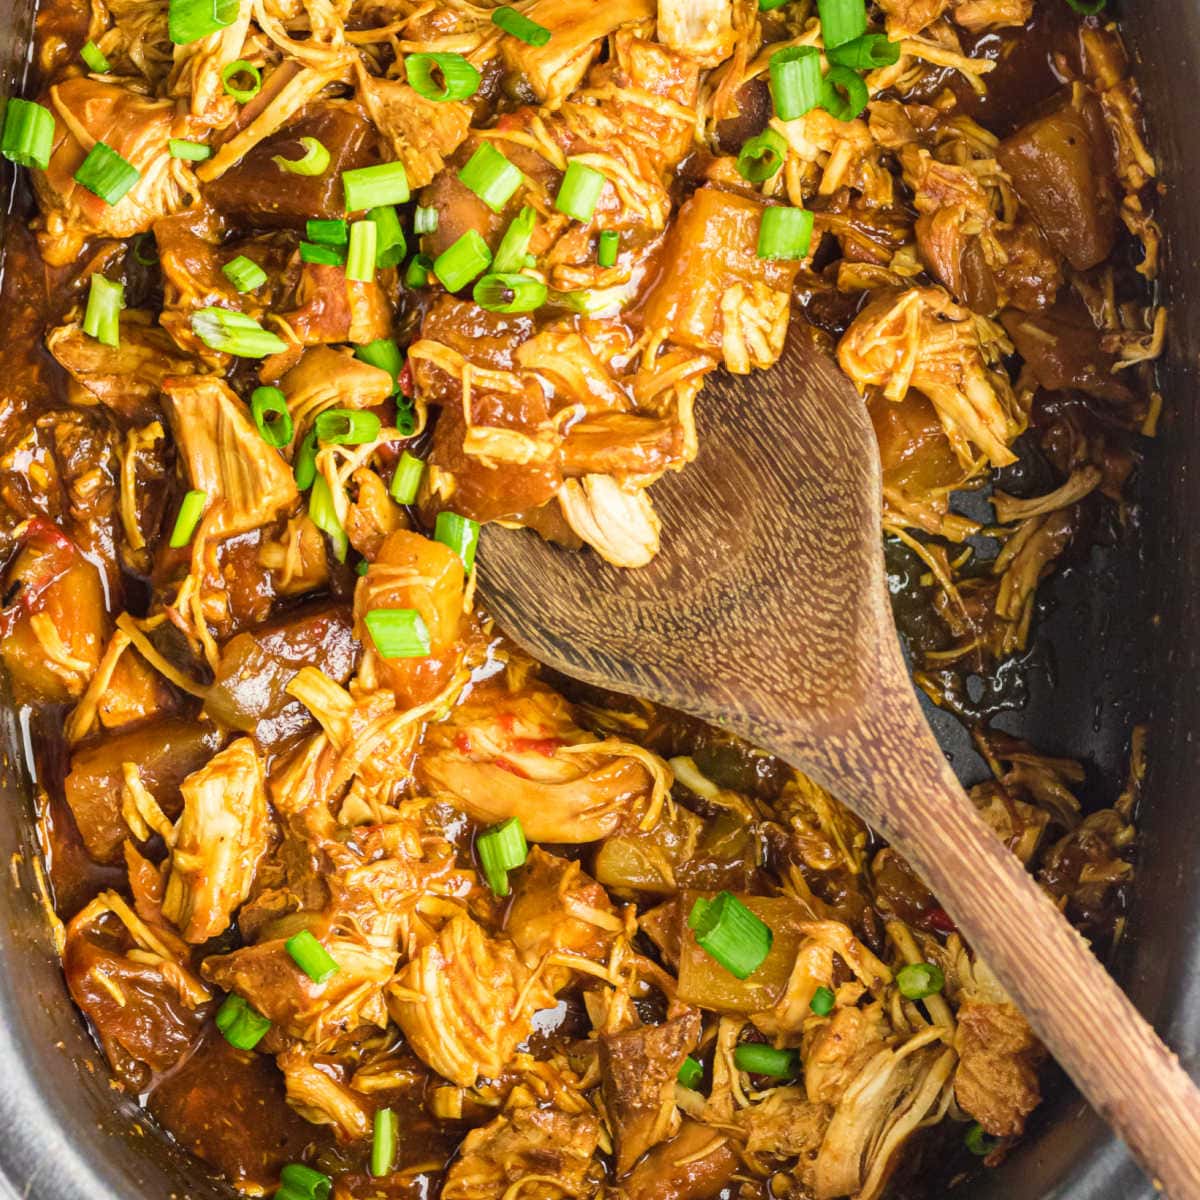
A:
(67, 1135)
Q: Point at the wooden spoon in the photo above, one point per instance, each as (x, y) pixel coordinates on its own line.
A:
(766, 613)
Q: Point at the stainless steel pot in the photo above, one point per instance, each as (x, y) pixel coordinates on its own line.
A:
(1126, 642)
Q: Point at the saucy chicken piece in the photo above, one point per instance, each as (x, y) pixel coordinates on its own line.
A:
(694, 1165)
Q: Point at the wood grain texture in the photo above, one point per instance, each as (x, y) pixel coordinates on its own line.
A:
(766, 613)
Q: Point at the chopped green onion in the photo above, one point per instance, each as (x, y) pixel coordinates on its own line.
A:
(242, 1027)
(232, 70)
(371, 187)
(325, 256)
(384, 354)
(406, 418)
(699, 908)
(732, 935)
(190, 20)
(841, 21)
(304, 465)
(770, 5)
(191, 509)
(303, 1183)
(398, 632)
(784, 232)
(462, 262)
(490, 176)
(407, 479)
(244, 273)
(311, 957)
(94, 58)
(580, 190)
(28, 134)
(327, 233)
(822, 1002)
(843, 93)
(268, 407)
(383, 1143)
(314, 160)
(765, 1060)
(461, 534)
(1088, 8)
(235, 333)
(979, 1142)
(425, 219)
(106, 174)
(520, 27)
(189, 151)
(918, 980)
(501, 849)
(458, 78)
(509, 293)
(510, 254)
(102, 318)
(691, 1074)
(323, 514)
(762, 156)
(140, 256)
(865, 53)
(607, 248)
(795, 81)
(361, 567)
(390, 246)
(347, 427)
(417, 273)
(360, 257)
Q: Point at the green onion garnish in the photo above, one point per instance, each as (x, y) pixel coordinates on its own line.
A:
(691, 1074)
(490, 176)
(191, 509)
(242, 1027)
(509, 293)
(770, 5)
(102, 318)
(370, 187)
(384, 354)
(784, 232)
(323, 514)
(1088, 8)
(458, 78)
(191, 151)
(106, 174)
(417, 273)
(918, 980)
(383, 1143)
(522, 28)
(327, 233)
(407, 479)
(304, 465)
(510, 254)
(325, 256)
(501, 849)
(93, 56)
(731, 934)
(580, 189)
(843, 93)
(268, 407)
(766, 1060)
(461, 534)
(425, 219)
(398, 632)
(465, 260)
(142, 256)
(762, 156)
(244, 273)
(229, 74)
(979, 1142)
(347, 427)
(841, 21)
(311, 957)
(314, 160)
(795, 81)
(390, 246)
(822, 1002)
(190, 20)
(360, 257)
(607, 248)
(303, 1183)
(28, 135)
(406, 418)
(235, 333)
(865, 53)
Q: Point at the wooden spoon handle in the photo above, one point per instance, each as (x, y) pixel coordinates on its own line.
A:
(892, 772)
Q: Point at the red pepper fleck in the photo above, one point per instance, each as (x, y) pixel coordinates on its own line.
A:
(511, 768)
(940, 920)
(462, 744)
(546, 746)
(405, 379)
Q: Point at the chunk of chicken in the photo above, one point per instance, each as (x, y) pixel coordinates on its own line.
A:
(88, 111)
(978, 15)
(523, 755)
(325, 378)
(246, 483)
(332, 308)
(219, 838)
(619, 523)
(788, 1125)
(837, 1051)
(526, 1145)
(465, 1002)
(694, 1165)
(905, 18)
(701, 29)
(321, 1098)
(996, 1080)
